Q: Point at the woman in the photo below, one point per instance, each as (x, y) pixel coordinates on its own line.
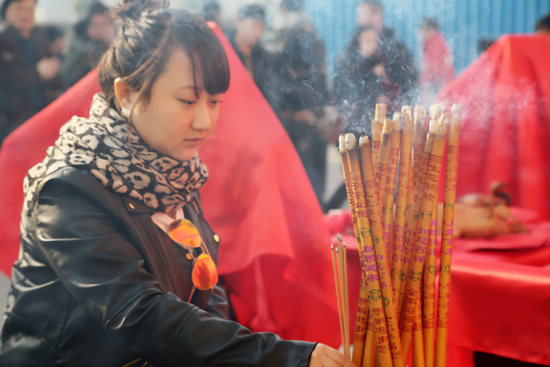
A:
(117, 262)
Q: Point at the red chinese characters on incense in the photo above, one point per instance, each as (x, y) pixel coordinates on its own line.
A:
(392, 186)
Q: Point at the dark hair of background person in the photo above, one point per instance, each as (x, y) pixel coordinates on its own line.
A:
(483, 44)
(292, 5)
(81, 28)
(374, 3)
(353, 46)
(543, 24)
(429, 23)
(255, 11)
(210, 10)
(51, 32)
(5, 5)
(149, 34)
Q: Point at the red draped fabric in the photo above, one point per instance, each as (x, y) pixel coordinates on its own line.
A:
(505, 98)
(273, 253)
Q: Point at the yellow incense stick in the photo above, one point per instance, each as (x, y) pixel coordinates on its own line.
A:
(447, 236)
(428, 304)
(376, 129)
(373, 211)
(363, 305)
(412, 286)
(417, 341)
(367, 253)
(401, 207)
(369, 354)
(414, 213)
(388, 195)
(356, 196)
(380, 170)
(342, 287)
(336, 286)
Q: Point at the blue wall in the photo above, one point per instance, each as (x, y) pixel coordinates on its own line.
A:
(462, 22)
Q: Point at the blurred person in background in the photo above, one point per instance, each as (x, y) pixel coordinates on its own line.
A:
(543, 25)
(361, 80)
(94, 34)
(56, 38)
(211, 11)
(29, 75)
(400, 68)
(303, 101)
(290, 14)
(249, 26)
(437, 61)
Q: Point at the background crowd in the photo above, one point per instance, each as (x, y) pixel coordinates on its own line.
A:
(280, 48)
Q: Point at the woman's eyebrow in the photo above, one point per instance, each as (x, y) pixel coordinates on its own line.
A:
(193, 87)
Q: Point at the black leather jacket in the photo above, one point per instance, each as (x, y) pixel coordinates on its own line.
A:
(97, 283)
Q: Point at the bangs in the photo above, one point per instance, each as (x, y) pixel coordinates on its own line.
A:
(213, 65)
(206, 52)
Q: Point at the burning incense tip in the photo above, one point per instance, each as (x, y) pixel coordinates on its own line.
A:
(433, 126)
(455, 110)
(342, 142)
(388, 126)
(364, 139)
(443, 124)
(407, 118)
(380, 111)
(435, 110)
(397, 121)
(350, 141)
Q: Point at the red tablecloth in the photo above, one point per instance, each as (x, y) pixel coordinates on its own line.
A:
(500, 299)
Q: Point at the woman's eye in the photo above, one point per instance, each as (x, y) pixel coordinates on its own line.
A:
(187, 102)
(216, 102)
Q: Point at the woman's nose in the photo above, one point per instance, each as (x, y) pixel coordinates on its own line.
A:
(202, 119)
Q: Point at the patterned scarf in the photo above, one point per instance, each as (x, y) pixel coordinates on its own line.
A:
(108, 147)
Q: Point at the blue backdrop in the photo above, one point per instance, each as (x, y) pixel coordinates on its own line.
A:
(462, 22)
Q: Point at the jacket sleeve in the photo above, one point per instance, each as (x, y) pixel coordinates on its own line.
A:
(107, 275)
(218, 305)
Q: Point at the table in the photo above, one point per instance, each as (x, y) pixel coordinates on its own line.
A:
(500, 299)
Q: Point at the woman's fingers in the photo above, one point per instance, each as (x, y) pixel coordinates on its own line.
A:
(325, 356)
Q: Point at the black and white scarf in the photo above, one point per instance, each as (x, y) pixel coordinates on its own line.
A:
(111, 150)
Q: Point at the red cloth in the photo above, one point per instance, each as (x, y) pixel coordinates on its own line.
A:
(274, 249)
(437, 61)
(505, 98)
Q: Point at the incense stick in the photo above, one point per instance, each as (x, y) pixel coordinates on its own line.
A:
(401, 208)
(337, 288)
(447, 236)
(380, 250)
(366, 250)
(412, 286)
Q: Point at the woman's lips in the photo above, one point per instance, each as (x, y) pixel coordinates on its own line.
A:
(194, 141)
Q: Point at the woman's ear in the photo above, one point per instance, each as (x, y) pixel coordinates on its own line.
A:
(124, 95)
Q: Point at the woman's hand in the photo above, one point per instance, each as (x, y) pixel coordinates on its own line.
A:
(325, 356)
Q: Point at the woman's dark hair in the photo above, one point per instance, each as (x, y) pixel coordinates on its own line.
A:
(353, 46)
(149, 34)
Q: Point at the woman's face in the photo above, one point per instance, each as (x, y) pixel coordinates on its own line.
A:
(180, 115)
(368, 42)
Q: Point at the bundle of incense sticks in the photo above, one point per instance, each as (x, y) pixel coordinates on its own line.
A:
(392, 183)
